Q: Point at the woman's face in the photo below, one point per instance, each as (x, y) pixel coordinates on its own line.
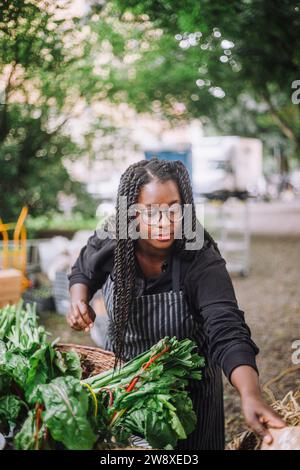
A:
(160, 233)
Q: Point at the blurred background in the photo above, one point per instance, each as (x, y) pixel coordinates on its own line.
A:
(89, 87)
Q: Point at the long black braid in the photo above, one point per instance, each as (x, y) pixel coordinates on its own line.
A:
(136, 176)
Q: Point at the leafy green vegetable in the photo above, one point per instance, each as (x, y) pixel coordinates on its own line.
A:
(66, 412)
(5, 383)
(68, 362)
(19, 328)
(179, 358)
(29, 437)
(10, 409)
(16, 367)
(7, 319)
(40, 369)
(157, 418)
(28, 361)
(148, 396)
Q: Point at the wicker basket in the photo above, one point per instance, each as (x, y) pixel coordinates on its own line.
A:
(93, 360)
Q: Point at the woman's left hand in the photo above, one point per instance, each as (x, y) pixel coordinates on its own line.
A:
(259, 417)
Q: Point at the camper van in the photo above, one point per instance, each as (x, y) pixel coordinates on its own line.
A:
(233, 164)
(219, 164)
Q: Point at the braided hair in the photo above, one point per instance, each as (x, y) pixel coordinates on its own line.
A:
(132, 180)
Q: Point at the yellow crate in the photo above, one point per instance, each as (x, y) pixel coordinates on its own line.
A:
(14, 254)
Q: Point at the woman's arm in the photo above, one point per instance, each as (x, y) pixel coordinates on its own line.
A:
(258, 415)
(81, 316)
(229, 338)
(213, 299)
(94, 263)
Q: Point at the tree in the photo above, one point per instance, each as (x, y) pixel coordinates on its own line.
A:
(42, 84)
(230, 63)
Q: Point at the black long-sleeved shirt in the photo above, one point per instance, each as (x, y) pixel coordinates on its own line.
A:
(208, 289)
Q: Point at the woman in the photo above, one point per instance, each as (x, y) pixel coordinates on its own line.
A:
(155, 285)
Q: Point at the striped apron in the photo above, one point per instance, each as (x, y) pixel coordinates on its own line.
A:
(155, 316)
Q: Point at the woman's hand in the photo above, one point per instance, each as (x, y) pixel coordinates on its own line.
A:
(259, 417)
(81, 316)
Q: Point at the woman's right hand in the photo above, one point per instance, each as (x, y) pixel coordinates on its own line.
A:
(81, 316)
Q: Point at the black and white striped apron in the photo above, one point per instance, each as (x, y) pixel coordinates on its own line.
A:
(155, 316)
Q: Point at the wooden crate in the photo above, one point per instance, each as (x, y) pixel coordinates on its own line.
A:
(10, 286)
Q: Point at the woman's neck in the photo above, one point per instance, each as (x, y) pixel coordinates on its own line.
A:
(152, 253)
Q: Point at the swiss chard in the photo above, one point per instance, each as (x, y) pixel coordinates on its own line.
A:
(32, 435)
(147, 395)
(10, 410)
(66, 413)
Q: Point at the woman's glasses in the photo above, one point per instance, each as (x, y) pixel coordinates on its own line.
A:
(151, 215)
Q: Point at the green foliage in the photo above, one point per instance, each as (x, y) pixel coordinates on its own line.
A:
(219, 60)
(255, 72)
(42, 85)
(56, 221)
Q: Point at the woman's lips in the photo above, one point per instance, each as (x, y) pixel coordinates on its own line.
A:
(163, 236)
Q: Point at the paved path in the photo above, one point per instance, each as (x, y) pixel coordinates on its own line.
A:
(275, 218)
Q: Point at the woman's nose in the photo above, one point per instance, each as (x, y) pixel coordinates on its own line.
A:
(164, 220)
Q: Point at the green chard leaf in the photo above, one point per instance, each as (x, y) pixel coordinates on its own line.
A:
(40, 369)
(68, 363)
(67, 413)
(10, 410)
(29, 438)
(15, 366)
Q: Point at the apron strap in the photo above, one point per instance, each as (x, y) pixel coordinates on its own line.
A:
(176, 274)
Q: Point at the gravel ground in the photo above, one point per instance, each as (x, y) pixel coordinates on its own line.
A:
(270, 298)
